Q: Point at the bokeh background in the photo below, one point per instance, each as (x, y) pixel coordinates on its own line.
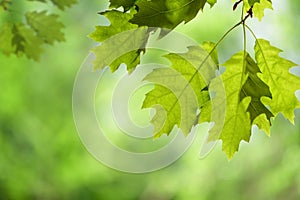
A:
(42, 157)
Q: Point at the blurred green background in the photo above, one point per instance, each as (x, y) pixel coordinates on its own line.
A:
(42, 156)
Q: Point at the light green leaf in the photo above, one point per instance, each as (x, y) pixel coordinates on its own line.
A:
(179, 90)
(212, 2)
(259, 7)
(118, 23)
(237, 125)
(275, 73)
(206, 109)
(210, 47)
(263, 123)
(166, 14)
(174, 101)
(205, 113)
(122, 42)
(47, 27)
(189, 66)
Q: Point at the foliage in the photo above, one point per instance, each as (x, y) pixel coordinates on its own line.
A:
(25, 34)
(43, 158)
(255, 89)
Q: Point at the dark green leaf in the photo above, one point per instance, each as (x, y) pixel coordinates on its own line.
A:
(256, 89)
(46, 26)
(6, 37)
(26, 42)
(126, 4)
(166, 14)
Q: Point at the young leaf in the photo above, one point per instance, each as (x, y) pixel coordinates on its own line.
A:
(206, 109)
(46, 26)
(275, 73)
(118, 25)
(179, 91)
(166, 13)
(259, 7)
(209, 47)
(237, 125)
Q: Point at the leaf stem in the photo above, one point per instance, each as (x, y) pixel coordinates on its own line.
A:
(245, 43)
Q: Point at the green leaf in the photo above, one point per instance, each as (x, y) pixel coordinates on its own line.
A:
(252, 2)
(126, 4)
(46, 26)
(122, 48)
(263, 123)
(4, 5)
(259, 7)
(125, 34)
(275, 73)
(206, 109)
(237, 125)
(256, 89)
(6, 37)
(26, 42)
(62, 4)
(118, 23)
(131, 59)
(167, 13)
(212, 2)
(210, 48)
(179, 91)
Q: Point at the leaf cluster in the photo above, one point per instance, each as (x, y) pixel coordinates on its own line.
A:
(254, 89)
(26, 33)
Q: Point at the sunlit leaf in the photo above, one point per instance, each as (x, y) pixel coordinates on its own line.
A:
(237, 126)
(114, 46)
(62, 4)
(179, 90)
(275, 73)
